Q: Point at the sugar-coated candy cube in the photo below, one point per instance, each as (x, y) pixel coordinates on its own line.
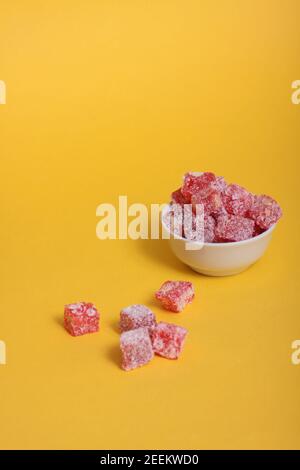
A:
(201, 229)
(136, 316)
(136, 348)
(210, 199)
(233, 228)
(194, 183)
(204, 188)
(237, 200)
(175, 295)
(178, 197)
(81, 318)
(265, 211)
(168, 340)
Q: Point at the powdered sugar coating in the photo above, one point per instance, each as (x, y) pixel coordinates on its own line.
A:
(168, 340)
(81, 318)
(233, 228)
(209, 229)
(265, 211)
(175, 295)
(201, 229)
(173, 219)
(136, 316)
(237, 200)
(136, 348)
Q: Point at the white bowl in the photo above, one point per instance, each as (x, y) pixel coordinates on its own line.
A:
(218, 259)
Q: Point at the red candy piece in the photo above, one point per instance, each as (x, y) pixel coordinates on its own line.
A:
(211, 200)
(81, 318)
(195, 182)
(195, 232)
(178, 198)
(136, 348)
(136, 316)
(204, 188)
(175, 295)
(168, 340)
(233, 228)
(265, 211)
(237, 200)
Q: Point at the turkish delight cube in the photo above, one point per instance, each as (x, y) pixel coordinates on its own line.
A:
(81, 318)
(136, 348)
(136, 316)
(265, 211)
(237, 200)
(168, 340)
(233, 228)
(175, 295)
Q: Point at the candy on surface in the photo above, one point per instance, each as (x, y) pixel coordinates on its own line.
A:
(237, 200)
(136, 316)
(168, 340)
(175, 295)
(265, 211)
(81, 318)
(136, 348)
(233, 228)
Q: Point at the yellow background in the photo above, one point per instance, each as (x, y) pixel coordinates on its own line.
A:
(122, 97)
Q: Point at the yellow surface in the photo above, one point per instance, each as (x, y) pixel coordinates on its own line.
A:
(122, 97)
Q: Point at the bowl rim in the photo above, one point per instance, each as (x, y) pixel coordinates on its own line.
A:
(221, 244)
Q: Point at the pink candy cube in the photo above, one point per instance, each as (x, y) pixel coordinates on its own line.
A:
(175, 295)
(136, 348)
(168, 340)
(265, 211)
(233, 228)
(196, 183)
(81, 318)
(136, 316)
(237, 200)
